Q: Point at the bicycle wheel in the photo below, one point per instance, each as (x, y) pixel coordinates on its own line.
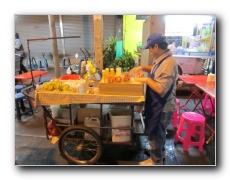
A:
(80, 145)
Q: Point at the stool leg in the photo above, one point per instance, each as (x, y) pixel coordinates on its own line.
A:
(174, 119)
(179, 130)
(202, 137)
(176, 137)
(27, 64)
(32, 63)
(35, 63)
(30, 104)
(187, 139)
(22, 105)
(18, 109)
(46, 65)
(63, 63)
(40, 64)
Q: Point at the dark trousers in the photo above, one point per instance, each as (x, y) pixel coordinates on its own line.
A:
(22, 67)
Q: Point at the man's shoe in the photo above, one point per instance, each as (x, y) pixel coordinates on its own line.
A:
(146, 151)
(147, 162)
(164, 155)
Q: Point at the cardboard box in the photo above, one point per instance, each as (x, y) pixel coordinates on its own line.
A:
(61, 113)
(88, 112)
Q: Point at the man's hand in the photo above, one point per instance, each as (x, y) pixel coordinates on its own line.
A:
(134, 70)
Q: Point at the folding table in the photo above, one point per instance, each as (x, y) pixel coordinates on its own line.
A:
(191, 80)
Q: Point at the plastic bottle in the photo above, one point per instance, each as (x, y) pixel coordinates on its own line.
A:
(103, 75)
(106, 72)
(112, 73)
(210, 67)
(118, 71)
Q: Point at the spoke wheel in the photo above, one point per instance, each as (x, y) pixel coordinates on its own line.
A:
(80, 145)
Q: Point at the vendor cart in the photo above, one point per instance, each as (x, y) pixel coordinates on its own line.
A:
(80, 144)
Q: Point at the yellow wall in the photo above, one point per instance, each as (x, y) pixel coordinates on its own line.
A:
(132, 33)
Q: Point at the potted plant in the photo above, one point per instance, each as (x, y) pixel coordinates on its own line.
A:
(109, 52)
(126, 61)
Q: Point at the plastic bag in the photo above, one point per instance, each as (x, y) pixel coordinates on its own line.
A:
(52, 128)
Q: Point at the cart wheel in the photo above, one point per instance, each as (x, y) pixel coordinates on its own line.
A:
(80, 145)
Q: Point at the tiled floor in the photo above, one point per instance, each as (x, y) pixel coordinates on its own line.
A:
(32, 147)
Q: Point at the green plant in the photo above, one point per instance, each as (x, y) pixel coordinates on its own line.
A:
(109, 52)
(126, 61)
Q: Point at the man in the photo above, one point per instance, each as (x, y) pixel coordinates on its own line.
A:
(160, 101)
(19, 51)
(172, 47)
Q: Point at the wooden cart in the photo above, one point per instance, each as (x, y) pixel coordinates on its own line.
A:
(80, 144)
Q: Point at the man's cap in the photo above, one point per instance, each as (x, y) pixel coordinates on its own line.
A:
(154, 38)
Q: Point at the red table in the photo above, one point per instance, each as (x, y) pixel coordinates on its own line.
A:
(208, 87)
(193, 79)
(27, 75)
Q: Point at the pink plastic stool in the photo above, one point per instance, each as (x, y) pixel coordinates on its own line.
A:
(207, 103)
(176, 114)
(189, 122)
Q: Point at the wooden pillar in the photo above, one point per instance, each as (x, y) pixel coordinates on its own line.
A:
(98, 38)
(54, 46)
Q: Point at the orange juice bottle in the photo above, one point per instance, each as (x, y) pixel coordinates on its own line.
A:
(103, 75)
(106, 73)
(112, 73)
(118, 71)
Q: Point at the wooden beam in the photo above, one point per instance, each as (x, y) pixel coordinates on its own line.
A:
(98, 36)
(54, 45)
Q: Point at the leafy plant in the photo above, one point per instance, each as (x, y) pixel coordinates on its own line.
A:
(126, 61)
(109, 52)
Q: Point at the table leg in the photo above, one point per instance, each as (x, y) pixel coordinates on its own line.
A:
(212, 135)
(200, 97)
(208, 126)
(195, 93)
